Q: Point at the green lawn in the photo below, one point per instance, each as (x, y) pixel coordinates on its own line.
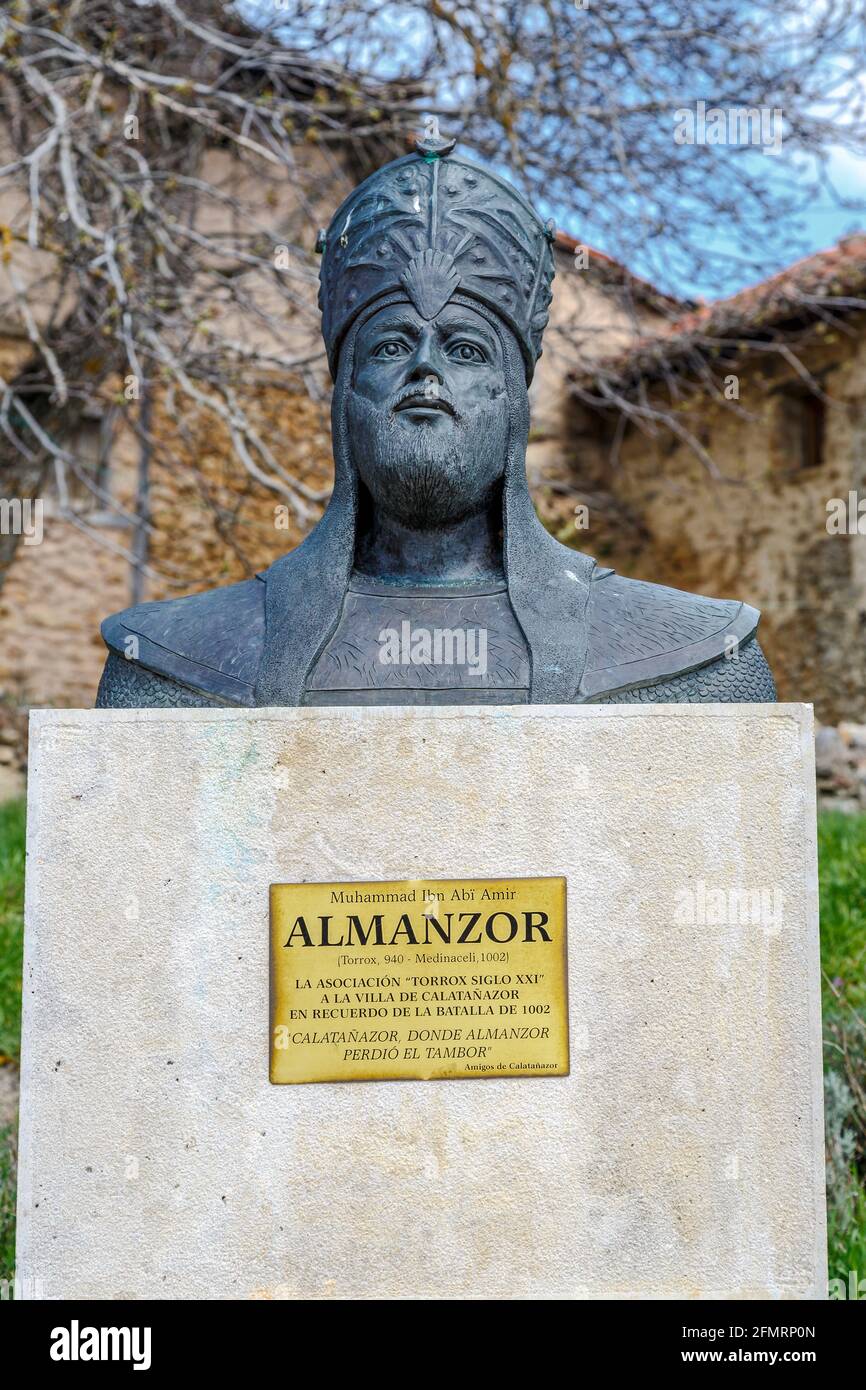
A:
(842, 866)
(11, 943)
(842, 858)
(11, 924)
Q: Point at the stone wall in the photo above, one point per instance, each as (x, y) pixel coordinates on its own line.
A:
(758, 532)
(212, 522)
(840, 767)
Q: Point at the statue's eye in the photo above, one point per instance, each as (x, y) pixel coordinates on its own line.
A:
(390, 350)
(466, 352)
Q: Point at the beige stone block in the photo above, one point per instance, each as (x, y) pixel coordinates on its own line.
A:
(682, 1155)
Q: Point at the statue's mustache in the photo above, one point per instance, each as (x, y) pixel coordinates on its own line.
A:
(424, 394)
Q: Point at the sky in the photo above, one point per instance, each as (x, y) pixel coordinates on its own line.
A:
(820, 225)
(827, 223)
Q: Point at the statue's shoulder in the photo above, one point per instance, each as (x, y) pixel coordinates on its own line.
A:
(209, 643)
(641, 634)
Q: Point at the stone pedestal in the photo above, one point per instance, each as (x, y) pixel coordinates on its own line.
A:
(682, 1155)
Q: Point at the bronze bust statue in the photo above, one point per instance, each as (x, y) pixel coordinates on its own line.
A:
(430, 580)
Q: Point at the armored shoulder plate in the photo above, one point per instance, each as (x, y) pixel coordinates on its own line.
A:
(641, 634)
(210, 642)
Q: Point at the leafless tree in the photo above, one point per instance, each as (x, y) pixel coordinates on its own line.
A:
(158, 277)
(148, 272)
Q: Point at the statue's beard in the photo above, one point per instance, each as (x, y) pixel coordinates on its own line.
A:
(428, 476)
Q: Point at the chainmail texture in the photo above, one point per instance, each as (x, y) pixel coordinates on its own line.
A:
(125, 685)
(742, 680)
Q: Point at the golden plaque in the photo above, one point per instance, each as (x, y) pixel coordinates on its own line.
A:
(424, 979)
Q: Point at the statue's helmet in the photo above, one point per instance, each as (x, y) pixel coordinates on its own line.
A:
(430, 226)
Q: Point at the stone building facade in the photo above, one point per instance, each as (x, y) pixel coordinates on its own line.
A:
(769, 513)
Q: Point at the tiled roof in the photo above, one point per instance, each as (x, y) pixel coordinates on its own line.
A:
(833, 280)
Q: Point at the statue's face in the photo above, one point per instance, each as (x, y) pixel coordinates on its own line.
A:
(428, 412)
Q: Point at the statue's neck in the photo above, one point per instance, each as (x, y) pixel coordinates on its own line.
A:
(463, 551)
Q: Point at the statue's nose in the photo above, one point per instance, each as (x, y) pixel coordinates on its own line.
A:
(426, 360)
(424, 368)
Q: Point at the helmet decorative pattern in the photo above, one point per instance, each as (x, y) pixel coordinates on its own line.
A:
(433, 226)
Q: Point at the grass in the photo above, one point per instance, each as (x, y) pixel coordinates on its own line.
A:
(11, 925)
(11, 955)
(7, 1204)
(842, 867)
(842, 861)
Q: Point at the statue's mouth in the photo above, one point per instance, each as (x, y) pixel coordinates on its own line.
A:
(425, 405)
